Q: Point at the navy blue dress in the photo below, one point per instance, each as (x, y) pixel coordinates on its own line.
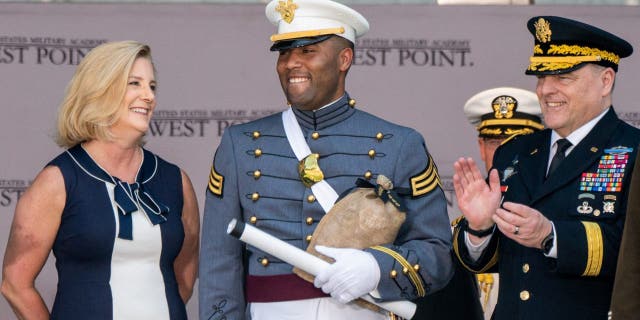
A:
(117, 242)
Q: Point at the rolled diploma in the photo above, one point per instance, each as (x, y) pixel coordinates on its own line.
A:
(304, 261)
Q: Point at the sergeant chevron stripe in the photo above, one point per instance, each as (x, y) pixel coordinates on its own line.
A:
(216, 182)
(426, 181)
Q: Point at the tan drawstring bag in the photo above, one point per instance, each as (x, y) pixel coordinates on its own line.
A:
(360, 220)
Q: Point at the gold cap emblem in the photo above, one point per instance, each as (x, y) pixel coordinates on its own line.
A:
(503, 106)
(287, 10)
(543, 30)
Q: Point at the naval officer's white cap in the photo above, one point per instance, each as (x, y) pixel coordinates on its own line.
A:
(503, 112)
(304, 22)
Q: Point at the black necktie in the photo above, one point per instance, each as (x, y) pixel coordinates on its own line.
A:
(562, 146)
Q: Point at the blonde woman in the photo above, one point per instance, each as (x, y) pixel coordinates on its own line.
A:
(123, 223)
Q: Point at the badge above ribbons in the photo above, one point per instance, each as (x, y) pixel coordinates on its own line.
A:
(610, 173)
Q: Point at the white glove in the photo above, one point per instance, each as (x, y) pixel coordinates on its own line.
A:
(354, 274)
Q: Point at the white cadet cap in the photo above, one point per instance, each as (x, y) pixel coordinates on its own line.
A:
(503, 112)
(304, 22)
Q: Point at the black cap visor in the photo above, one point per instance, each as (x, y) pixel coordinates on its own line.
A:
(298, 42)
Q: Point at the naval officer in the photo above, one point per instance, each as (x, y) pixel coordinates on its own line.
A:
(497, 114)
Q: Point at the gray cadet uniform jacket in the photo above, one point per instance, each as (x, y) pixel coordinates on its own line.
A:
(254, 179)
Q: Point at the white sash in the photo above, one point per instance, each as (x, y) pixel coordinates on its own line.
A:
(323, 192)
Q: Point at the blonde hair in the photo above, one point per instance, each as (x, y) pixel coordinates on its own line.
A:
(96, 91)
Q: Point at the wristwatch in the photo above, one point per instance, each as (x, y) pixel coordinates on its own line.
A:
(547, 243)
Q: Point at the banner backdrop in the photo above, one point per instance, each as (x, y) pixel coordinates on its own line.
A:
(417, 66)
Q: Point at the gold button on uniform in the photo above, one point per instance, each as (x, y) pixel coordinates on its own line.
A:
(264, 262)
(255, 196)
(379, 136)
(525, 268)
(256, 134)
(372, 153)
(253, 219)
(309, 221)
(367, 175)
(393, 274)
(311, 198)
(524, 295)
(309, 238)
(352, 102)
(416, 267)
(315, 136)
(257, 152)
(257, 174)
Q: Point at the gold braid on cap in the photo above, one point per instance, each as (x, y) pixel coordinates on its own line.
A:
(537, 49)
(573, 54)
(306, 34)
(583, 51)
(491, 132)
(510, 122)
(507, 132)
(511, 132)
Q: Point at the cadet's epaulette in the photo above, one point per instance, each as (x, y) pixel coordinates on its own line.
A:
(425, 181)
(216, 182)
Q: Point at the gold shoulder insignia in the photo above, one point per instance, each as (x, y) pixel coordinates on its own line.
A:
(425, 181)
(216, 182)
